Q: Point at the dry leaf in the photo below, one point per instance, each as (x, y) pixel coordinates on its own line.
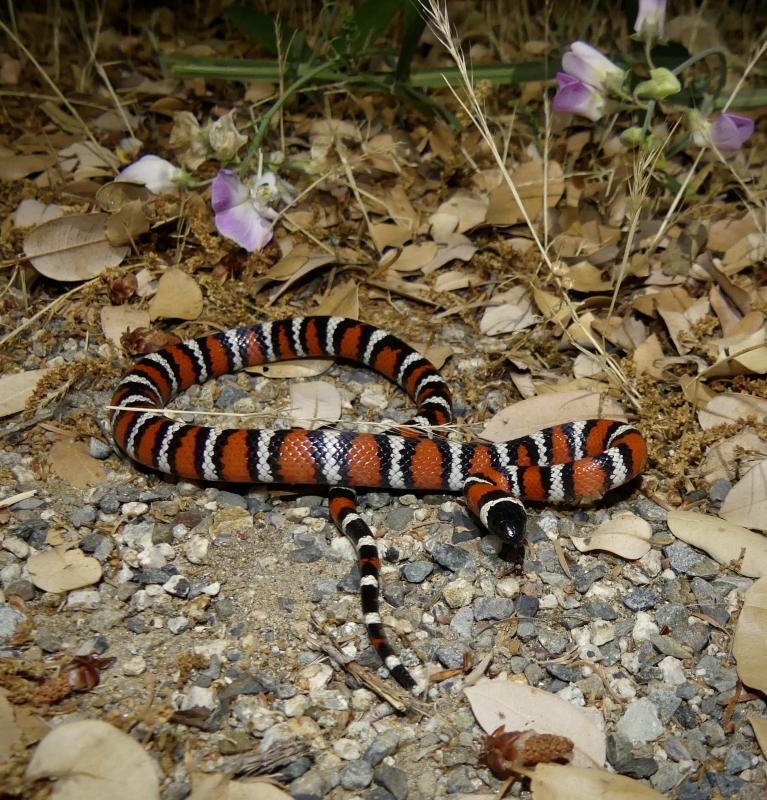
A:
(178, 297)
(647, 355)
(508, 311)
(60, 570)
(343, 301)
(746, 252)
(759, 724)
(117, 320)
(732, 407)
(212, 786)
(116, 195)
(91, 760)
(543, 411)
(529, 180)
(385, 234)
(626, 535)
(314, 404)
(10, 733)
(724, 541)
(457, 214)
(556, 781)
(585, 277)
(297, 368)
(522, 708)
(290, 268)
(734, 456)
(127, 224)
(31, 212)
(455, 247)
(72, 462)
(551, 306)
(750, 633)
(13, 168)
(17, 388)
(73, 248)
(414, 257)
(746, 502)
(724, 233)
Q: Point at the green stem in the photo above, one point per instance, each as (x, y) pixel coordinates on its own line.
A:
(263, 126)
(711, 51)
(648, 116)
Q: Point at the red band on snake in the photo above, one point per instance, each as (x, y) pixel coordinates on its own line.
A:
(566, 462)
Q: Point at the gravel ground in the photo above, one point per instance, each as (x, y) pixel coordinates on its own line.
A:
(209, 594)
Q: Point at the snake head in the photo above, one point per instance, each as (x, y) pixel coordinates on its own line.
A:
(505, 517)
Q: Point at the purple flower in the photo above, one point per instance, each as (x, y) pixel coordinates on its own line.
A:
(243, 210)
(731, 131)
(576, 97)
(586, 63)
(728, 132)
(651, 18)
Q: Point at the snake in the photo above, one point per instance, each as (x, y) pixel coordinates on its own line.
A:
(562, 463)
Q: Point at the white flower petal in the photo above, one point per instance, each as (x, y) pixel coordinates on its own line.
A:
(157, 174)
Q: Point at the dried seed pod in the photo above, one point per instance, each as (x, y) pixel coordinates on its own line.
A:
(141, 341)
(505, 753)
(84, 672)
(123, 288)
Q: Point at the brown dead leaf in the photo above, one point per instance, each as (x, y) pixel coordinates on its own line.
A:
(461, 212)
(646, 356)
(291, 268)
(71, 461)
(746, 502)
(61, 570)
(555, 781)
(91, 760)
(732, 407)
(746, 252)
(342, 301)
(750, 633)
(625, 534)
(178, 297)
(510, 311)
(759, 724)
(73, 248)
(585, 277)
(213, 786)
(314, 404)
(551, 306)
(118, 320)
(298, 368)
(414, 257)
(113, 196)
(455, 247)
(386, 234)
(17, 388)
(127, 224)
(521, 707)
(529, 180)
(724, 541)
(14, 168)
(733, 457)
(10, 733)
(543, 411)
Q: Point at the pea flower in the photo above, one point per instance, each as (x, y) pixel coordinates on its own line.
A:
(727, 133)
(157, 174)
(242, 210)
(650, 19)
(576, 97)
(586, 63)
(224, 138)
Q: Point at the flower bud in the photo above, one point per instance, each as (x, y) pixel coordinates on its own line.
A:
(662, 84)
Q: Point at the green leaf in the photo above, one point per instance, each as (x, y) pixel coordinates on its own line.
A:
(369, 22)
(262, 28)
(414, 25)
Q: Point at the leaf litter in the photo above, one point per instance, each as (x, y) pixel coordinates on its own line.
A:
(411, 224)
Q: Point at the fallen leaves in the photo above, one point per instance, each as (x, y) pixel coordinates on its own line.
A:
(71, 461)
(725, 542)
(91, 760)
(626, 535)
(178, 296)
(17, 388)
(746, 502)
(521, 707)
(63, 570)
(314, 404)
(750, 634)
(73, 248)
(553, 782)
